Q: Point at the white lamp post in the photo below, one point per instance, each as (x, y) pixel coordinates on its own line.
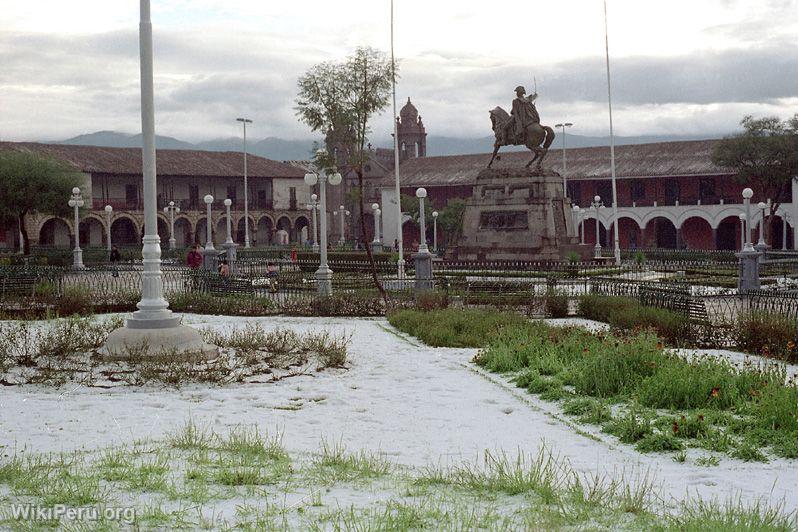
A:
(324, 273)
(597, 204)
(109, 212)
(76, 202)
(227, 203)
(742, 230)
(245, 121)
(314, 207)
(435, 231)
(343, 213)
(376, 208)
(208, 232)
(421, 193)
(171, 210)
(153, 325)
(747, 195)
(577, 216)
(564, 167)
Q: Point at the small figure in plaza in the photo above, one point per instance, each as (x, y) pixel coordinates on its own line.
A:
(224, 269)
(115, 257)
(521, 128)
(272, 273)
(194, 257)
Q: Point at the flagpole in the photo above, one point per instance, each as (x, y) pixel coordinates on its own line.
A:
(400, 265)
(612, 142)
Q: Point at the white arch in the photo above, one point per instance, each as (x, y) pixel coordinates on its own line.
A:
(696, 213)
(658, 214)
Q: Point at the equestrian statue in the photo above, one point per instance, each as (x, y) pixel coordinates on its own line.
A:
(521, 128)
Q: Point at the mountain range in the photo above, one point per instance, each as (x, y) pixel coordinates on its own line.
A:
(286, 150)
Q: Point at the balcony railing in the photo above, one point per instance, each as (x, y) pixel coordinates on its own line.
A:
(123, 204)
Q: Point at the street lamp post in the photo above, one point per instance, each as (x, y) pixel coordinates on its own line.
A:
(314, 207)
(421, 193)
(76, 202)
(171, 210)
(343, 213)
(423, 259)
(209, 253)
(324, 273)
(747, 195)
(245, 121)
(435, 232)
(229, 246)
(742, 230)
(597, 204)
(109, 212)
(376, 244)
(564, 167)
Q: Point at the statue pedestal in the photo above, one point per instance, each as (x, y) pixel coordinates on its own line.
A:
(517, 214)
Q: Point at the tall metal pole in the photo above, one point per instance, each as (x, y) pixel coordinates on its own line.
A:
(245, 121)
(400, 264)
(612, 142)
(153, 305)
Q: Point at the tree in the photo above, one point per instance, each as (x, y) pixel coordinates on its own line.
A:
(30, 182)
(764, 155)
(339, 99)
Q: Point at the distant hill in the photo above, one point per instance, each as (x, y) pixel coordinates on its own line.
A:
(285, 150)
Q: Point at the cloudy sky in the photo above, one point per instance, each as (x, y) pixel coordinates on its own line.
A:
(696, 66)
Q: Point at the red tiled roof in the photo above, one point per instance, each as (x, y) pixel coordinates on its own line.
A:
(640, 160)
(100, 159)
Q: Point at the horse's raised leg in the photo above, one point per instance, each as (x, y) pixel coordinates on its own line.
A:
(495, 151)
(533, 159)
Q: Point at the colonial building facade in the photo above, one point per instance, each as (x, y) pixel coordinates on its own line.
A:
(670, 195)
(278, 197)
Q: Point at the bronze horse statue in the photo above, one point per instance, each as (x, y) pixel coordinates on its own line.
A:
(536, 137)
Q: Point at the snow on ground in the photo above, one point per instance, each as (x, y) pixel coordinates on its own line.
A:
(417, 405)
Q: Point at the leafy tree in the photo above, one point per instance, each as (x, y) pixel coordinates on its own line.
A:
(764, 155)
(339, 99)
(31, 182)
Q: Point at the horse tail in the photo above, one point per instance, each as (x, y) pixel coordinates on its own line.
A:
(549, 137)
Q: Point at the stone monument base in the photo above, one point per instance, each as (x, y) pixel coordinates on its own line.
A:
(517, 214)
(180, 342)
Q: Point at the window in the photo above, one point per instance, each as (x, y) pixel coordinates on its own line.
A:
(671, 192)
(231, 193)
(193, 196)
(706, 190)
(638, 189)
(292, 198)
(131, 196)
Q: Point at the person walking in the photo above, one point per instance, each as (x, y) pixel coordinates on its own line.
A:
(194, 257)
(115, 257)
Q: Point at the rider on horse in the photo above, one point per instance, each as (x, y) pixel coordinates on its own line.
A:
(524, 113)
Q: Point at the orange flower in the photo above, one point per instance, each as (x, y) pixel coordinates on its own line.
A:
(675, 428)
(715, 392)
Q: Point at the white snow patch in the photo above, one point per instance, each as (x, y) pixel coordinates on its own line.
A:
(416, 404)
